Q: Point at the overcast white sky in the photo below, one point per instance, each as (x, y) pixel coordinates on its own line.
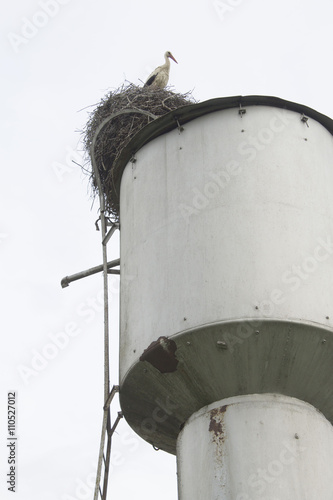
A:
(59, 56)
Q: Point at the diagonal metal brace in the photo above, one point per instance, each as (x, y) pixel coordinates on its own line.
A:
(112, 394)
(109, 233)
(119, 417)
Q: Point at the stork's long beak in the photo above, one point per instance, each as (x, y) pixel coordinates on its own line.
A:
(171, 57)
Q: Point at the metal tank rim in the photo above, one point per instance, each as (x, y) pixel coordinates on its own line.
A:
(176, 118)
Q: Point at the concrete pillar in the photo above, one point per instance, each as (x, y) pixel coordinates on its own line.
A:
(256, 447)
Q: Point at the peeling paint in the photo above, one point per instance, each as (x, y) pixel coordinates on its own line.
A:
(162, 355)
(216, 423)
(215, 426)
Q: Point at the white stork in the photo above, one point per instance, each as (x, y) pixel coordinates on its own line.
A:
(160, 76)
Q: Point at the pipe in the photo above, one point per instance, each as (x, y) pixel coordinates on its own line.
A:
(93, 270)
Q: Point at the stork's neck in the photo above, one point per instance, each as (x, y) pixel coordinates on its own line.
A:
(167, 62)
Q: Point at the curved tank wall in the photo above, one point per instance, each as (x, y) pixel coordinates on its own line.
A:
(256, 447)
(226, 267)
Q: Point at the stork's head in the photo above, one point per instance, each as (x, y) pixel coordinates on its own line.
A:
(168, 54)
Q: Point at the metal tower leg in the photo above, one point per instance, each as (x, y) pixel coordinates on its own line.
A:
(107, 431)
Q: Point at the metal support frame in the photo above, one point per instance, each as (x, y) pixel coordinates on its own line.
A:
(107, 430)
(106, 268)
(106, 425)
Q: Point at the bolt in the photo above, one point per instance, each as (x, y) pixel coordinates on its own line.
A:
(185, 319)
(327, 317)
(188, 343)
(256, 307)
(296, 436)
(304, 119)
(221, 344)
(323, 341)
(257, 332)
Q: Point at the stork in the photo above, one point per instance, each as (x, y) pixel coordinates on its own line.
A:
(160, 76)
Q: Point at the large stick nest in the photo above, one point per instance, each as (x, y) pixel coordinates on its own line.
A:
(107, 138)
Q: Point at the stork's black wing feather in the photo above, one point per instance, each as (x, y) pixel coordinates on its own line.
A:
(150, 80)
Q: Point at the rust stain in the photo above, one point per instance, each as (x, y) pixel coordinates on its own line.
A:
(215, 426)
(216, 423)
(162, 355)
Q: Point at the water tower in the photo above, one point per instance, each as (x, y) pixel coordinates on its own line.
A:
(226, 274)
(226, 346)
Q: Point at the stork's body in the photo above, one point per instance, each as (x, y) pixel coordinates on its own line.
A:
(160, 76)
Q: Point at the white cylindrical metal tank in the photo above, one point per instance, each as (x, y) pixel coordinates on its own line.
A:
(256, 447)
(226, 265)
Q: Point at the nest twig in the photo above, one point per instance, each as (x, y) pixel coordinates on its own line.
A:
(110, 140)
